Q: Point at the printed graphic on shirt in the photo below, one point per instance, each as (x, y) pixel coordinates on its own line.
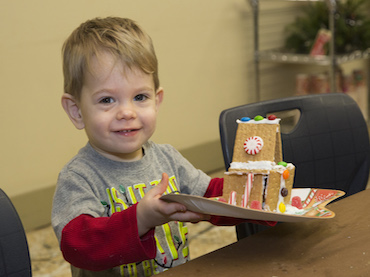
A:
(171, 238)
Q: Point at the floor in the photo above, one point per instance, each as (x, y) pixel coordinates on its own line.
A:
(47, 260)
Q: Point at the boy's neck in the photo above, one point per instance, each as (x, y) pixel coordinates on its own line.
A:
(130, 157)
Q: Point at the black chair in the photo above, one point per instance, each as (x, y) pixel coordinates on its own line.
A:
(329, 144)
(14, 253)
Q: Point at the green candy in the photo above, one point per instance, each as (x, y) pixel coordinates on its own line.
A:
(258, 118)
(282, 163)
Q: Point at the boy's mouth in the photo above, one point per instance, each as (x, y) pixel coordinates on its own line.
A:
(127, 131)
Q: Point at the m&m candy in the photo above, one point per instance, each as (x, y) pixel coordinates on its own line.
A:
(258, 118)
(284, 192)
(282, 207)
(286, 174)
(245, 119)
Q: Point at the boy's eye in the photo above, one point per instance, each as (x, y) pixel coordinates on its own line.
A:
(106, 100)
(140, 97)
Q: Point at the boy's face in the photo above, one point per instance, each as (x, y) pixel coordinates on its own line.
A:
(118, 109)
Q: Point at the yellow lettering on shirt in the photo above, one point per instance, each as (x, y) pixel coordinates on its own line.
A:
(147, 269)
(154, 266)
(116, 203)
(140, 188)
(112, 205)
(132, 270)
(169, 240)
(132, 195)
(159, 247)
(117, 200)
(155, 182)
(173, 183)
(183, 229)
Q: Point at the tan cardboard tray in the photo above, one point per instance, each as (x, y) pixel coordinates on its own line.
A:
(314, 203)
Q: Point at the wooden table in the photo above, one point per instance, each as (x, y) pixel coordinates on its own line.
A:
(323, 247)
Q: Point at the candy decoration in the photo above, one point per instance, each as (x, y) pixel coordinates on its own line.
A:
(247, 190)
(271, 117)
(284, 192)
(282, 207)
(286, 174)
(258, 118)
(297, 202)
(232, 198)
(253, 145)
(282, 163)
(310, 197)
(256, 205)
(245, 119)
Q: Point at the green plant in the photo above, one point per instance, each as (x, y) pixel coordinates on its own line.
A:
(352, 26)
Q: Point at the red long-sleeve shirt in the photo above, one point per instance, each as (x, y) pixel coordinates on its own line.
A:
(99, 243)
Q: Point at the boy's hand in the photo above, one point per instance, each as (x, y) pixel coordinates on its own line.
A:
(152, 211)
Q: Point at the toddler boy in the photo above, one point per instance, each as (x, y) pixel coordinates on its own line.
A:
(107, 213)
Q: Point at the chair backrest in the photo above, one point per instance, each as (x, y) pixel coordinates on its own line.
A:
(329, 144)
(14, 253)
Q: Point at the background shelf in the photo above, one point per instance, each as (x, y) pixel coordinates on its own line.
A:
(281, 57)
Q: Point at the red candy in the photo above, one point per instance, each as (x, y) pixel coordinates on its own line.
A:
(271, 117)
(297, 202)
(256, 205)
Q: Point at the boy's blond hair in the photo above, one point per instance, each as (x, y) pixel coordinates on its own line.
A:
(121, 37)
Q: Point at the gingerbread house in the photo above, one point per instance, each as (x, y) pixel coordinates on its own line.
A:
(258, 178)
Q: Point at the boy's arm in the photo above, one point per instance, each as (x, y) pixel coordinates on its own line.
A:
(105, 242)
(215, 189)
(125, 237)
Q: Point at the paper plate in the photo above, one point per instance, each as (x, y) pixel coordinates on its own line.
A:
(314, 203)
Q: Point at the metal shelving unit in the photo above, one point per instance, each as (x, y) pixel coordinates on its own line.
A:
(332, 60)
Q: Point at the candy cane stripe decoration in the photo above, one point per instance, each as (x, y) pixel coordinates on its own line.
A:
(253, 145)
(232, 198)
(309, 197)
(247, 190)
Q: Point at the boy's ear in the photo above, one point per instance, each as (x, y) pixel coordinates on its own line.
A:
(159, 97)
(72, 109)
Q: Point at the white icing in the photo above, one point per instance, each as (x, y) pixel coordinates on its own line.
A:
(281, 198)
(281, 169)
(263, 121)
(263, 165)
(267, 165)
(293, 210)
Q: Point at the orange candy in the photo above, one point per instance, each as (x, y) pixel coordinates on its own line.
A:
(286, 174)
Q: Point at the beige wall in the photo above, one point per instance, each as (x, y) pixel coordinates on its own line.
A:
(203, 49)
(205, 54)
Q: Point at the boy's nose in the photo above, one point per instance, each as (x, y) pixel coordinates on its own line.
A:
(125, 112)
